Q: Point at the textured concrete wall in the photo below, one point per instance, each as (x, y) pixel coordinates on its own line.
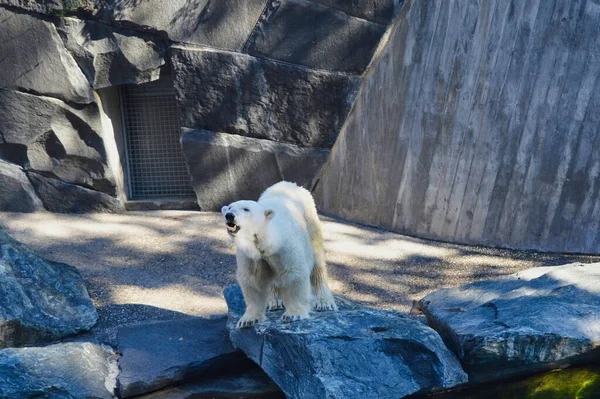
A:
(479, 123)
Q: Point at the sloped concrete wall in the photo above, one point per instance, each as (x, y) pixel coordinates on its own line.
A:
(478, 124)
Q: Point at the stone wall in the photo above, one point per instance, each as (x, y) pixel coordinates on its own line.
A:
(478, 124)
(281, 73)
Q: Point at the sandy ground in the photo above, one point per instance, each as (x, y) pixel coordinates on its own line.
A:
(161, 265)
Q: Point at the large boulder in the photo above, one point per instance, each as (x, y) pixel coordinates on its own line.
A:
(35, 60)
(40, 300)
(156, 355)
(534, 320)
(66, 371)
(109, 56)
(208, 154)
(48, 136)
(239, 94)
(303, 32)
(16, 192)
(357, 352)
(61, 197)
(224, 24)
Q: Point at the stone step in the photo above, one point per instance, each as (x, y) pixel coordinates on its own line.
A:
(249, 385)
(156, 355)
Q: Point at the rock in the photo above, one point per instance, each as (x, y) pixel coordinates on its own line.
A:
(236, 93)
(65, 371)
(52, 7)
(40, 300)
(16, 192)
(379, 11)
(303, 32)
(46, 67)
(249, 385)
(224, 24)
(208, 154)
(48, 136)
(110, 56)
(534, 320)
(357, 352)
(58, 196)
(156, 355)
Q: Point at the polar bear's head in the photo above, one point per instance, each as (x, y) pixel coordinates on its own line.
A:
(247, 217)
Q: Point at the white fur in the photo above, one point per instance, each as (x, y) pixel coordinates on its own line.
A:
(280, 255)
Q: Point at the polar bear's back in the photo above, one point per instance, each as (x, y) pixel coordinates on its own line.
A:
(292, 195)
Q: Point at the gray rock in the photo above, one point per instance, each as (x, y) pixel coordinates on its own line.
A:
(208, 154)
(52, 7)
(534, 320)
(16, 192)
(58, 196)
(40, 300)
(46, 135)
(156, 355)
(66, 371)
(224, 24)
(46, 67)
(317, 36)
(110, 56)
(380, 11)
(248, 96)
(249, 385)
(357, 352)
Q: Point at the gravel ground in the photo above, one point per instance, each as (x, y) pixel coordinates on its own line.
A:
(163, 265)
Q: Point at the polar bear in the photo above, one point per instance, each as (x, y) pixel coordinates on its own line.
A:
(280, 254)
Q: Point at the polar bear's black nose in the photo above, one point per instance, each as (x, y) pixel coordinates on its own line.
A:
(229, 217)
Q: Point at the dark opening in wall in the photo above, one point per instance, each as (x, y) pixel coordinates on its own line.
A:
(155, 163)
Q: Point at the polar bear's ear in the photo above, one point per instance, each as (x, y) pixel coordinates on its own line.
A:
(269, 213)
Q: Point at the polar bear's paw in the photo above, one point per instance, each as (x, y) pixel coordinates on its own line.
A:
(323, 304)
(290, 316)
(274, 304)
(248, 320)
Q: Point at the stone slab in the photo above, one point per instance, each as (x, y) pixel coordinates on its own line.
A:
(227, 168)
(538, 319)
(379, 11)
(16, 192)
(61, 197)
(357, 352)
(40, 300)
(240, 94)
(156, 355)
(248, 385)
(225, 24)
(310, 34)
(65, 371)
(110, 56)
(46, 67)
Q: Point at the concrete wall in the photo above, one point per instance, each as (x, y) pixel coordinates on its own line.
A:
(479, 123)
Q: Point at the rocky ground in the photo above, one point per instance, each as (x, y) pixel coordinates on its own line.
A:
(165, 265)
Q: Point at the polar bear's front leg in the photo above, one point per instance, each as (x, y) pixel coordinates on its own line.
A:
(296, 299)
(256, 302)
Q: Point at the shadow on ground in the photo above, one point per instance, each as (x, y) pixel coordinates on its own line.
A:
(159, 265)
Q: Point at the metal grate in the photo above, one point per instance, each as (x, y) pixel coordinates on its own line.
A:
(155, 160)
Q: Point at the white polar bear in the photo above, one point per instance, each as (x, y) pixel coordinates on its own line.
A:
(280, 254)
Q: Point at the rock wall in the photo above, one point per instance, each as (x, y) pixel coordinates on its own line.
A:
(478, 124)
(282, 73)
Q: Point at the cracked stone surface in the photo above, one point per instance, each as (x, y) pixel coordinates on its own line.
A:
(18, 194)
(533, 320)
(46, 68)
(358, 352)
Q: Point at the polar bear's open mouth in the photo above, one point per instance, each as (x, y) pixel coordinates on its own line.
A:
(232, 228)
